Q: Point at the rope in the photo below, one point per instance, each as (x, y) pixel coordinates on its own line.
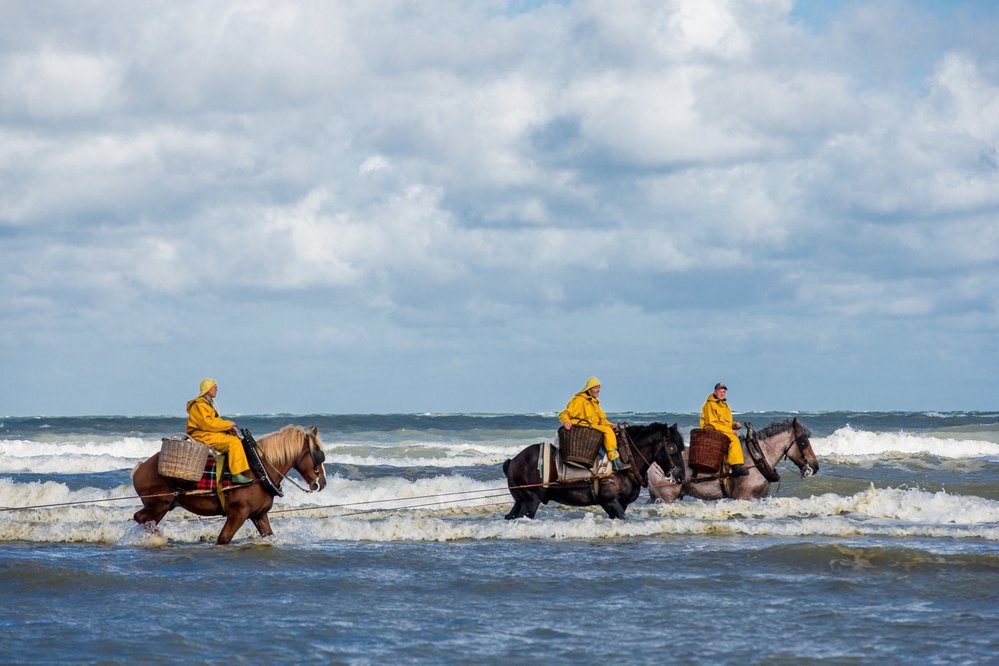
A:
(56, 504)
(311, 508)
(399, 508)
(175, 493)
(210, 492)
(414, 497)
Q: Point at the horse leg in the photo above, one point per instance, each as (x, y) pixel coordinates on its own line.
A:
(234, 520)
(531, 506)
(153, 511)
(614, 508)
(155, 493)
(522, 470)
(516, 511)
(525, 504)
(263, 525)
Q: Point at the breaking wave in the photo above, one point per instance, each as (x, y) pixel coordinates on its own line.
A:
(847, 441)
(450, 508)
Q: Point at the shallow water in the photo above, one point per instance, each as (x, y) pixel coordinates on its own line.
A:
(889, 555)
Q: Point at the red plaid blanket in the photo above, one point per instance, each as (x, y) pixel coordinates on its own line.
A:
(209, 480)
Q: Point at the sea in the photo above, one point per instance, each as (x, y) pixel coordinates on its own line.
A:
(889, 555)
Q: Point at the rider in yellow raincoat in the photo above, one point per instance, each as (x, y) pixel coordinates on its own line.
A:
(205, 426)
(584, 409)
(717, 414)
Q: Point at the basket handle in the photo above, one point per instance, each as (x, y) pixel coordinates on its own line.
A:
(212, 451)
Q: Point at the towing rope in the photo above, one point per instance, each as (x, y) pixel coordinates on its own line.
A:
(177, 493)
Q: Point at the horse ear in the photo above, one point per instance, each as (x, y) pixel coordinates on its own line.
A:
(313, 431)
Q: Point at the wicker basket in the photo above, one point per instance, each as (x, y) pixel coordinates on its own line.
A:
(183, 458)
(580, 445)
(708, 449)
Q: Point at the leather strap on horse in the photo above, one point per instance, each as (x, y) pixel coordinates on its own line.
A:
(756, 453)
(721, 478)
(545, 464)
(632, 470)
(253, 457)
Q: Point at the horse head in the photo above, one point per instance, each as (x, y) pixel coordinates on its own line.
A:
(662, 444)
(800, 452)
(310, 463)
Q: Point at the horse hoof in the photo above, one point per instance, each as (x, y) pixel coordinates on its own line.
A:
(143, 534)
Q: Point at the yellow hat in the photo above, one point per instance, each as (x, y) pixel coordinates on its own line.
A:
(590, 383)
(206, 385)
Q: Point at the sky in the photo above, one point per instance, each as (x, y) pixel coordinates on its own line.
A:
(391, 206)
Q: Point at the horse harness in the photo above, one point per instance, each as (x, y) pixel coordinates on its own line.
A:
(627, 451)
(760, 462)
(253, 455)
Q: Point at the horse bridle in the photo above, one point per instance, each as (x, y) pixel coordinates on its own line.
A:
(801, 440)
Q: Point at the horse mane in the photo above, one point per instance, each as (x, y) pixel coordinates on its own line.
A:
(779, 428)
(657, 426)
(284, 446)
(645, 427)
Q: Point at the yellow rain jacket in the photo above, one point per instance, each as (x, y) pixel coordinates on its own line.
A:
(584, 409)
(718, 415)
(205, 425)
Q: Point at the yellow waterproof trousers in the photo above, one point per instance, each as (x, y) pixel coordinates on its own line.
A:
(734, 450)
(231, 445)
(610, 440)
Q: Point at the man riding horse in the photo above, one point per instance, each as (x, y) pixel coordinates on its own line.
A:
(716, 414)
(584, 409)
(204, 425)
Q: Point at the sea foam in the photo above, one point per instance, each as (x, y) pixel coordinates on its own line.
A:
(452, 508)
(848, 441)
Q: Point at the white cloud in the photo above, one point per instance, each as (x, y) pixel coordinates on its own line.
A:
(52, 84)
(455, 178)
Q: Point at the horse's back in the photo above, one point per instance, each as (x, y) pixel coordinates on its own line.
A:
(518, 469)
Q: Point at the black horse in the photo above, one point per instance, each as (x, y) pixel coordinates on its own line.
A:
(651, 443)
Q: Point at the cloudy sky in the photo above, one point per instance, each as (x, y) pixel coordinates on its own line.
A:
(402, 206)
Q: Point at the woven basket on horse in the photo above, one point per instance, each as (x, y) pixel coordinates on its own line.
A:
(708, 449)
(183, 458)
(580, 445)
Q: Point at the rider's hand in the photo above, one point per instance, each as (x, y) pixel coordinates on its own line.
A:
(567, 425)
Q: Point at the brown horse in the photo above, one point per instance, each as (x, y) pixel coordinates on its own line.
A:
(290, 447)
(781, 439)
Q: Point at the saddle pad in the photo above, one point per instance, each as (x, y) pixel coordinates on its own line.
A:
(209, 479)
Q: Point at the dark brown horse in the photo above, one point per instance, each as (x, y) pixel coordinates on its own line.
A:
(779, 440)
(654, 443)
(291, 447)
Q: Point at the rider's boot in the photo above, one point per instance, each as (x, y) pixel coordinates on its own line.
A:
(739, 470)
(616, 462)
(241, 480)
